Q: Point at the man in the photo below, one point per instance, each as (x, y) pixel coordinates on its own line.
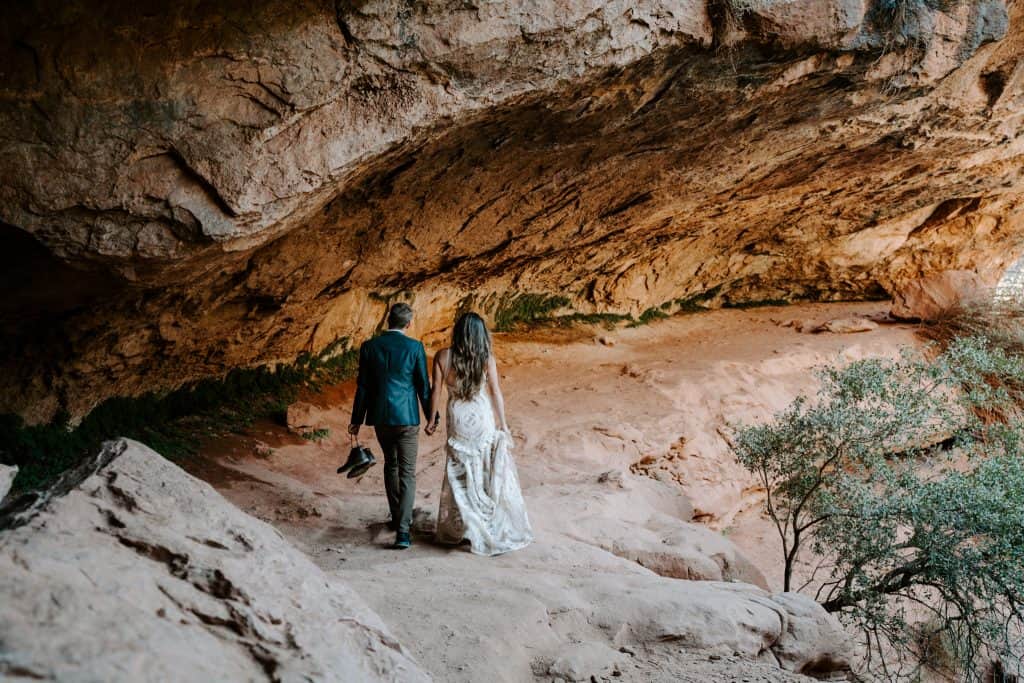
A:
(392, 378)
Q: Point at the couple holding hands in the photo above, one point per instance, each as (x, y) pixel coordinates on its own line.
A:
(481, 501)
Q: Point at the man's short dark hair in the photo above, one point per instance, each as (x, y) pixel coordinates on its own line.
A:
(399, 316)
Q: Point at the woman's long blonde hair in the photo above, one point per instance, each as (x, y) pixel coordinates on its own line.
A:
(471, 349)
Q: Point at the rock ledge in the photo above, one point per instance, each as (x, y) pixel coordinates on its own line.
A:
(143, 573)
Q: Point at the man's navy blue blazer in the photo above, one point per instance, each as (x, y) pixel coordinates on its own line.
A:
(392, 378)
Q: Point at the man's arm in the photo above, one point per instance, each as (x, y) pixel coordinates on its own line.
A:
(359, 404)
(422, 382)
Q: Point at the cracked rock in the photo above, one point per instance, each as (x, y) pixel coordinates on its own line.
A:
(140, 572)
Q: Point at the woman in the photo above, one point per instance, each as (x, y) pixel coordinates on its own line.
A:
(480, 497)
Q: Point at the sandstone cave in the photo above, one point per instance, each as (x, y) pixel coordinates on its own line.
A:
(671, 215)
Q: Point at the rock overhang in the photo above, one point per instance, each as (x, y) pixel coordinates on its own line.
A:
(262, 184)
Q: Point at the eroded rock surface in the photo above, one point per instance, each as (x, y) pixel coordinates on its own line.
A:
(571, 615)
(144, 573)
(812, 642)
(656, 534)
(208, 186)
(929, 297)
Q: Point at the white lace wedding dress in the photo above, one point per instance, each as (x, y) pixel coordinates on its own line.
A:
(480, 497)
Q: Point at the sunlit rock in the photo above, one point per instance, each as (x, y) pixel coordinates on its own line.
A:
(269, 178)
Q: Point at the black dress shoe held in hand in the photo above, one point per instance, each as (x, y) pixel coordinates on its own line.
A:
(359, 460)
(402, 541)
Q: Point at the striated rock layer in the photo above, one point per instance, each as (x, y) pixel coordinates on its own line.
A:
(189, 188)
(144, 573)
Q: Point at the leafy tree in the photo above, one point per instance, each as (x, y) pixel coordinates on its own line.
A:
(905, 477)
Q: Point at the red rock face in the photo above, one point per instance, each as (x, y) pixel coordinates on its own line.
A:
(226, 185)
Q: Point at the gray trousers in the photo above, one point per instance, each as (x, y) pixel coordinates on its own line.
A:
(399, 444)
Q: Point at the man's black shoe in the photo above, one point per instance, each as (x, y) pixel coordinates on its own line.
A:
(402, 541)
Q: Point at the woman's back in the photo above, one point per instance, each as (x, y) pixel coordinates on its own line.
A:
(451, 381)
(480, 496)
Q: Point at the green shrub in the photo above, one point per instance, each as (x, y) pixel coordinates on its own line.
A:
(607, 320)
(911, 495)
(758, 303)
(697, 302)
(316, 434)
(650, 315)
(526, 309)
(174, 423)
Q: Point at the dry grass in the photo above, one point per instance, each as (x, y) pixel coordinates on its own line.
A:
(996, 316)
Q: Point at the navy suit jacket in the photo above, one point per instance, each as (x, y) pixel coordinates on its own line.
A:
(392, 378)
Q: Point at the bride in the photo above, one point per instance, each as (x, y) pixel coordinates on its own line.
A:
(480, 497)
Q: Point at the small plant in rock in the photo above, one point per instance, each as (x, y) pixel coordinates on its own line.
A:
(650, 315)
(173, 423)
(316, 434)
(526, 309)
(905, 479)
(609, 321)
(998, 316)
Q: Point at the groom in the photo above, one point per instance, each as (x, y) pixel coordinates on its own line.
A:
(392, 378)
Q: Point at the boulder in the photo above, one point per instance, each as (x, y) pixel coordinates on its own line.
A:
(831, 23)
(722, 618)
(584, 661)
(803, 325)
(812, 642)
(643, 521)
(836, 325)
(928, 297)
(7, 475)
(683, 551)
(303, 418)
(133, 570)
(564, 612)
(847, 325)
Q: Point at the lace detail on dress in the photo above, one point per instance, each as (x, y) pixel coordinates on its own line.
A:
(480, 497)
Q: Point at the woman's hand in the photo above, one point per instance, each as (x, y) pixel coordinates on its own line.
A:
(432, 426)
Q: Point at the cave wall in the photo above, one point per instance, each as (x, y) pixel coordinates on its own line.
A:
(213, 185)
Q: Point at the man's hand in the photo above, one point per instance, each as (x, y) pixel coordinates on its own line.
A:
(432, 425)
(353, 430)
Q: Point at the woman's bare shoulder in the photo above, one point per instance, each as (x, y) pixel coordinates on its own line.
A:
(442, 355)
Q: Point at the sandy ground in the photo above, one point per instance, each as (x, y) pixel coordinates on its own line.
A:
(619, 443)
